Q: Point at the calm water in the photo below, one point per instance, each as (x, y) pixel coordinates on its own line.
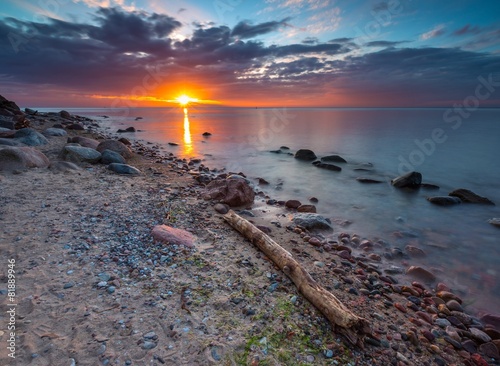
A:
(463, 249)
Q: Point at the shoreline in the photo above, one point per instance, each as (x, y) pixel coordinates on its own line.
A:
(256, 308)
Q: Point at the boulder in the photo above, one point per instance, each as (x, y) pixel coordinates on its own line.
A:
(30, 137)
(124, 169)
(368, 180)
(327, 166)
(80, 154)
(65, 114)
(206, 134)
(306, 208)
(421, 274)
(85, 142)
(492, 320)
(63, 166)
(170, 235)
(9, 105)
(333, 159)
(444, 200)
(10, 142)
(231, 191)
(221, 208)
(30, 111)
(292, 204)
(129, 129)
(414, 251)
(468, 196)
(54, 132)
(312, 221)
(115, 146)
(7, 122)
(75, 127)
(125, 141)
(410, 180)
(109, 157)
(305, 154)
(14, 158)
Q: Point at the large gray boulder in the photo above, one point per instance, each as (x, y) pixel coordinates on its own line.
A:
(7, 122)
(233, 191)
(55, 132)
(10, 142)
(305, 154)
(30, 137)
(85, 142)
(409, 180)
(312, 221)
(115, 146)
(14, 158)
(109, 157)
(124, 169)
(80, 154)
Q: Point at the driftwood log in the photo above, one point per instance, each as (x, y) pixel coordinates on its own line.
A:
(348, 323)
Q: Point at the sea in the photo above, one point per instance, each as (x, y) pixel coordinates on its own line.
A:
(450, 148)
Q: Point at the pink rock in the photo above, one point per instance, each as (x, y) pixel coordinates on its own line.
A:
(421, 274)
(12, 158)
(233, 191)
(173, 236)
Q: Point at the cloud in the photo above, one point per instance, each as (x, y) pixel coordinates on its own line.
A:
(245, 29)
(433, 33)
(466, 30)
(384, 43)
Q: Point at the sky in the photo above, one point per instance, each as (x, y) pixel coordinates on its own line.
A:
(293, 53)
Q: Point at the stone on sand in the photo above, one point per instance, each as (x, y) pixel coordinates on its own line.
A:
(312, 221)
(232, 191)
(124, 169)
(14, 158)
(30, 137)
(169, 235)
(109, 157)
(55, 132)
(80, 154)
(115, 146)
(85, 142)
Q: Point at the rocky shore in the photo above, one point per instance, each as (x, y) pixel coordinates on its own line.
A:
(122, 258)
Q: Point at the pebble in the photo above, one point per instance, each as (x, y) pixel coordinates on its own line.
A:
(148, 345)
(102, 284)
(68, 285)
(111, 289)
(443, 323)
(400, 307)
(328, 353)
(454, 306)
(453, 342)
(215, 353)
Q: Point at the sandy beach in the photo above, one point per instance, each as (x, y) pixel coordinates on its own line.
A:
(93, 287)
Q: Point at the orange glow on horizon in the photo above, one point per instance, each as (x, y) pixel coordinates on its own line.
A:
(184, 100)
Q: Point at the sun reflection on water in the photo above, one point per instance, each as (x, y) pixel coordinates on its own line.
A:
(188, 142)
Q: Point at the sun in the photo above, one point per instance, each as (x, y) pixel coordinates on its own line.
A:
(184, 100)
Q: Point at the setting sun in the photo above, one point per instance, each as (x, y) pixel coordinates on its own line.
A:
(184, 100)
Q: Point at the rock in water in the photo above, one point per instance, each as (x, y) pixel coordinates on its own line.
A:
(421, 274)
(123, 169)
(85, 142)
(232, 191)
(306, 208)
(327, 166)
(312, 221)
(109, 157)
(410, 180)
(495, 221)
(444, 200)
(333, 159)
(305, 154)
(80, 154)
(173, 236)
(30, 137)
(115, 146)
(470, 197)
(368, 180)
(14, 158)
(292, 204)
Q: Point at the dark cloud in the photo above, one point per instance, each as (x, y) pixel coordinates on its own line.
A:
(384, 43)
(245, 29)
(310, 40)
(466, 30)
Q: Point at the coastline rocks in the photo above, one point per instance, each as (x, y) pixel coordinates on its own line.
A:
(30, 137)
(468, 196)
(80, 154)
(333, 159)
(169, 235)
(109, 157)
(444, 200)
(410, 180)
(85, 142)
(293, 204)
(305, 154)
(306, 208)
(421, 274)
(115, 146)
(321, 165)
(232, 191)
(312, 221)
(13, 158)
(123, 169)
(54, 132)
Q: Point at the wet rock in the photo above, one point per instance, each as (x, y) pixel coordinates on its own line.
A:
(75, 127)
(262, 182)
(129, 129)
(125, 141)
(63, 166)
(109, 157)
(454, 306)
(80, 154)
(327, 166)
(429, 186)
(478, 360)
(313, 200)
(333, 159)
(292, 204)
(123, 169)
(444, 200)
(169, 235)
(305, 154)
(206, 134)
(231, 191)
(221, 208)
(65, 114)
(469, 346)
(30, 137)
(414, 251)
(148, 345)
(456, 344)
(491, 319)
(479, 335)
(18, 158)
(85, 142)
(368, 180)
(489, 350)
(421, 274)
(312, 221)
(55, 132)
(306, 208)
(468, 196)
(447, 296)
(115, 146)
(410, 180)
(442, 323)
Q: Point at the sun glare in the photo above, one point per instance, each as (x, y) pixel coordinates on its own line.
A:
(184, 100)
